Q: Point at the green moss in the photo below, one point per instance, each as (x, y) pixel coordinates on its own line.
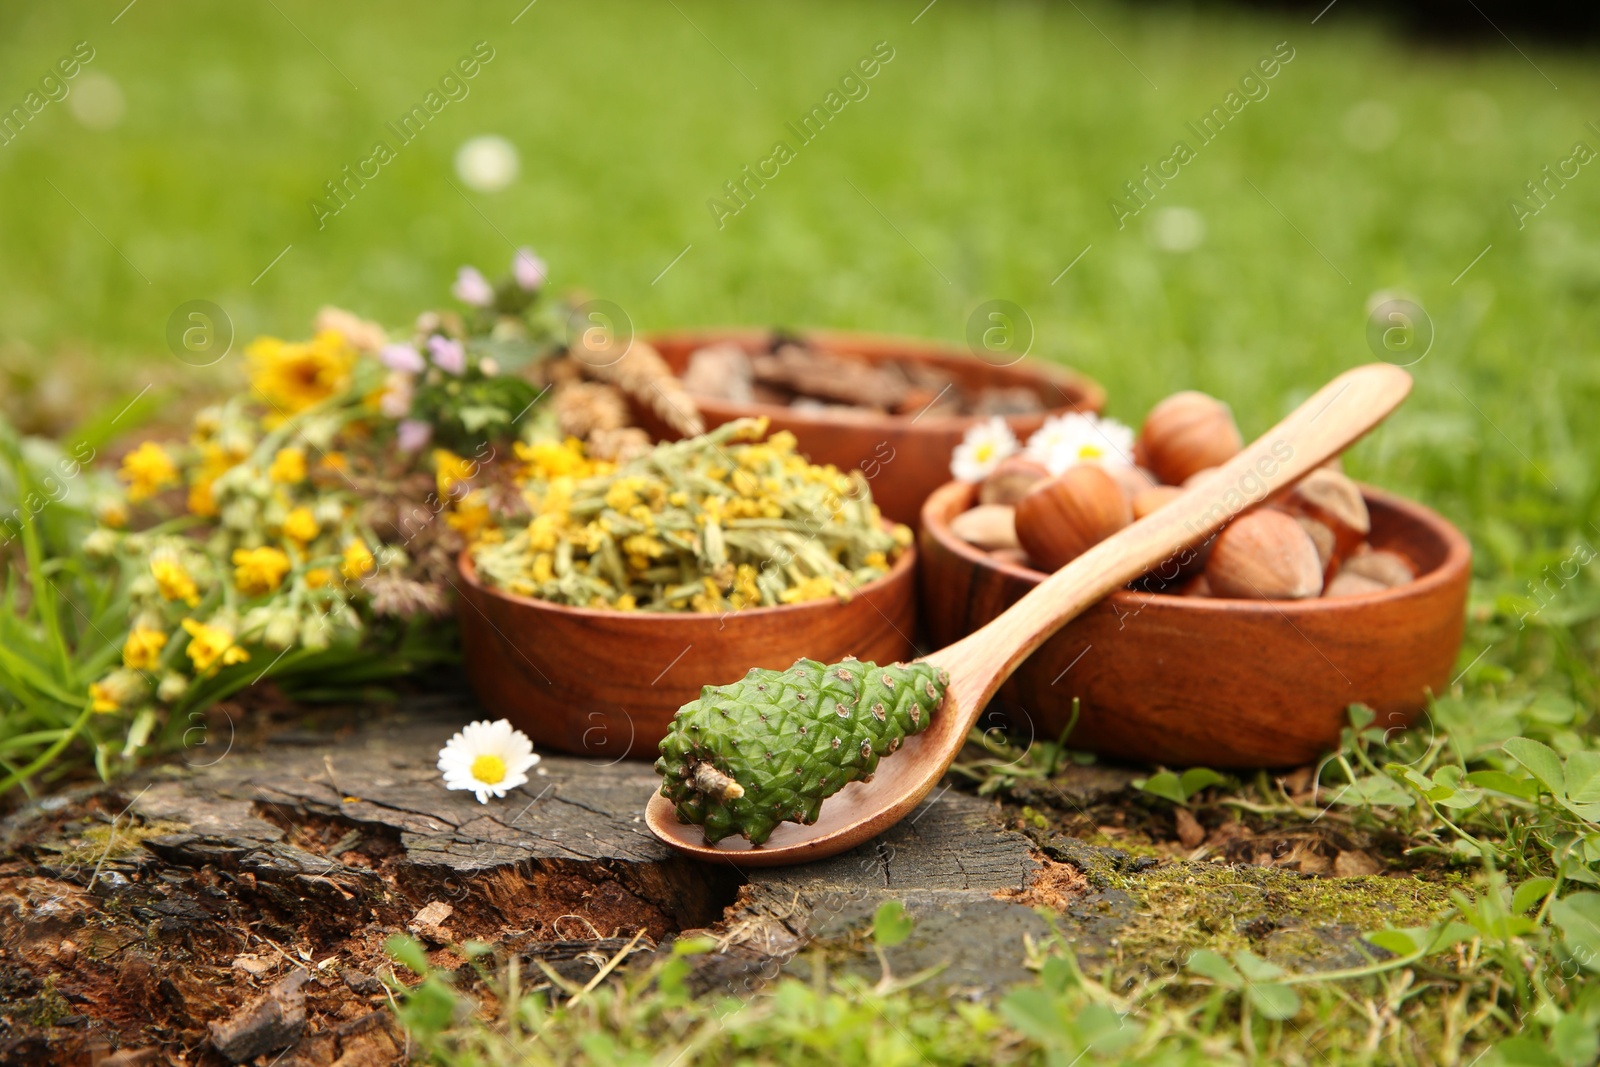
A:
(1300, 921)
(103, 841)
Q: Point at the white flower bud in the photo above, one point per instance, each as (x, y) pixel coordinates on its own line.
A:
(282, 629)
(172, 687)
(100, 543)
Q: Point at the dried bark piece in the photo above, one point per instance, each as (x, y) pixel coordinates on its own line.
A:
(272, 1021)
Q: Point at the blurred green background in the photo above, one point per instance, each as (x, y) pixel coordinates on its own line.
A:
(978, 167)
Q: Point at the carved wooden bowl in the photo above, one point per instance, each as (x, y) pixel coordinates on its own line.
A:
(605, 684)
(906, 457)
(1185, 681)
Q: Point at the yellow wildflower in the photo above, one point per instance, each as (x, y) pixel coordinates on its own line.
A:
(147, 470)
(173, 580)
(211, 645)
(113, 514)
(300, 525)
(626, 602)
(257, 571)
(142, 650)
(452, 471)
(549, 459)
(202, 501)
(358, 561)
(877, 561)
(288, 466)
(102, 697)
(294, 376)
(317, 577)
(335, 461)
(469, 517)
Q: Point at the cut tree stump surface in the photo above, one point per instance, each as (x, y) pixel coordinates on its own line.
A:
(169, 906)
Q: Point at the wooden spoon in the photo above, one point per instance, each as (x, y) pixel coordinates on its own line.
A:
(1316, 431)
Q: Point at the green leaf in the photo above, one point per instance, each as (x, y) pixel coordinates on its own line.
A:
(1274, 1000)
(1255, 968)
(693, 946)
(1525, 1052)
(1165, 785)
(1378, 790)
(407, 952)
(1574, 1039)
(1208, 964)
(1578, 918)
(890, 924)
(1583, 777)
(1540, 759)
(1197, 778)
(1501, 782)
(1530, 893)
(1395, 942)
(1033, 1011)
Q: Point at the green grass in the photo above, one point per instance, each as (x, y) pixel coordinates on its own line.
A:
(979, 167)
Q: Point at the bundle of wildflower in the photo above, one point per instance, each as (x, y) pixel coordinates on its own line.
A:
(718, 522)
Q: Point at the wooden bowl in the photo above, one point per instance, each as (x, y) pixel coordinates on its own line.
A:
(1212, 682)
(606, 684)
(905, 456)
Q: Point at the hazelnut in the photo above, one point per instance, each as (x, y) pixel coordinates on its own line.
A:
(1323, 537)
(1185, 433)
(1198, 586)
(1066, 516)
(1348, 583)
(1333, 499)
(1133, 480)
(1197, 477)
(1389, 569)
(987, 526)
(1011, 480)
(1264, 555)
(1153, 498)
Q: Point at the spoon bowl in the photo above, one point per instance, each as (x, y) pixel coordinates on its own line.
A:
(1319, 429)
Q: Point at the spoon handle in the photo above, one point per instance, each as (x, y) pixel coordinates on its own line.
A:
(1316, 431)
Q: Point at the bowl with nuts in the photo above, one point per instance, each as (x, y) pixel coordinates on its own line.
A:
(1244, 650)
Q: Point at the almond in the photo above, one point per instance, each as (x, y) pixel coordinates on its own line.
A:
(1011, 480)
(987, 526)
(1264, 555)
(1185, 433)
(1066, 516)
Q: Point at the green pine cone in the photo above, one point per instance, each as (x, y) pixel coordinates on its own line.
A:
(771, 747)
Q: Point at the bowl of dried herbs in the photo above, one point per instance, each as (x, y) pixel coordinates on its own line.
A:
(628, 586)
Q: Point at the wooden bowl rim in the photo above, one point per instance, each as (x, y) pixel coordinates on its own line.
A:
(1457, 558)
(1063, 378)
(902, 570)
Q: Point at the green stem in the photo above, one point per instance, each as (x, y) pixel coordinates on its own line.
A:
(44, 758)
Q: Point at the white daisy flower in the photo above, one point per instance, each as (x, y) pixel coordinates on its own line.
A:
(982, 449)
(1067, 440)
(487, 757)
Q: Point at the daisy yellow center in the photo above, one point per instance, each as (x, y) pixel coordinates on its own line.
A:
(984, 451)
(1090, 452)
(490, 770)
